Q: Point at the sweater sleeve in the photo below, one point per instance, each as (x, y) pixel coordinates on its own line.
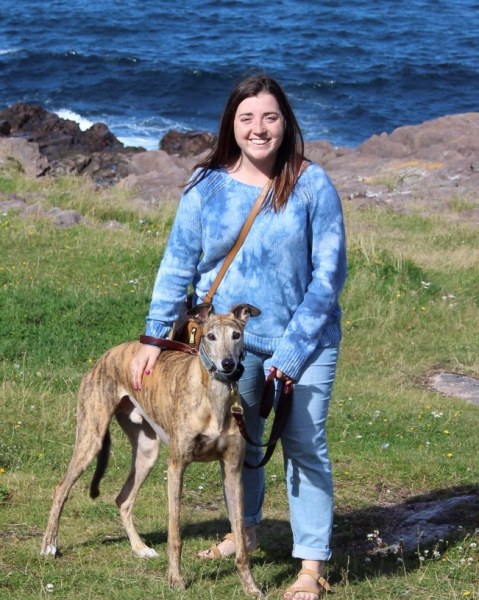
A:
(328, 257)
(177, 267)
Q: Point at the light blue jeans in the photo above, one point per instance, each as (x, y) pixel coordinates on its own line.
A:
(309, 479)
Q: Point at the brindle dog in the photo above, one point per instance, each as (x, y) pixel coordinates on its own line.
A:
(182, 403)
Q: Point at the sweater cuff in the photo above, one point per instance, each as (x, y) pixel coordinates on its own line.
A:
(289, 362)
(156, 329)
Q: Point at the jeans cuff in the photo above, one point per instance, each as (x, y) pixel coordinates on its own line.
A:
(307, 553)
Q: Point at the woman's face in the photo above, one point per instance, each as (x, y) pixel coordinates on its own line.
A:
(259, 129)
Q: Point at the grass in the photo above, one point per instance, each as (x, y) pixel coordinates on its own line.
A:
(410, 308)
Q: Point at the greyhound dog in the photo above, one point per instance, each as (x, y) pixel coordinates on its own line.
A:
(186, 403)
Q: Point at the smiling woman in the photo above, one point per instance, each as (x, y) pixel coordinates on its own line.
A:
(297, 238)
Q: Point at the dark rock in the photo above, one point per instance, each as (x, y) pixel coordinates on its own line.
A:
(68, 149)
(5, 128)
(187, 143)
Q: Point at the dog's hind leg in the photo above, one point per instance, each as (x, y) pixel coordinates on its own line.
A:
(145, 449)
(88, 443)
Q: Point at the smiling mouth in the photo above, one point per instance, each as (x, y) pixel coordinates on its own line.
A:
(258, 142)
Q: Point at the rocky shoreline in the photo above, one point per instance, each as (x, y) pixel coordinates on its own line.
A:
(430, 169)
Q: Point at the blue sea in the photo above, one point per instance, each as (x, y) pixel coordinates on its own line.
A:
(351, 69)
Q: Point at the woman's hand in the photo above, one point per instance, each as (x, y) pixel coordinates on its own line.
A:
(288, 382)
(143, 363)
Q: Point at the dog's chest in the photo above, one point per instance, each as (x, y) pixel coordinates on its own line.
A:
(210, 442)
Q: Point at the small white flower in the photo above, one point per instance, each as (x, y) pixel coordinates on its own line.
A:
(367, 560)
(49, 587)
(473, 545)
(359, 437)
(436, 554)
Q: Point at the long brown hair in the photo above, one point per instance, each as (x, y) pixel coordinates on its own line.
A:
(290, 154)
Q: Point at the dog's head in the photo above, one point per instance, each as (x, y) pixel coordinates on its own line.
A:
(222, 336)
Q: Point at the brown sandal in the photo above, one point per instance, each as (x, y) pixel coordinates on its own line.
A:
(216, 553)
(321, 581)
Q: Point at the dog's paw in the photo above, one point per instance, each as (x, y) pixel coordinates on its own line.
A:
(146, 552)
(176, 581)
(49, 550)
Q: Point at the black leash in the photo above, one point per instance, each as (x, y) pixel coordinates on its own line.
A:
(282, 399)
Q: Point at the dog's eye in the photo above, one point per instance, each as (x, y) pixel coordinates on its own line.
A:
(211, 337)
(236, 335)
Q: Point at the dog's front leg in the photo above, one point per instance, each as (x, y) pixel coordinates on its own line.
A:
(176, 469)
(233, 486)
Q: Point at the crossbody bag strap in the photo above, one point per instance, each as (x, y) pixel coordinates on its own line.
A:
(239, 242)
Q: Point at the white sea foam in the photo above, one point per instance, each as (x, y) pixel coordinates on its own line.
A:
(8, 51)
(148, 143)
(65, 113)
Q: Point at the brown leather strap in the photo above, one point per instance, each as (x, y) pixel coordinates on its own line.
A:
(167, 344)
(239, 242)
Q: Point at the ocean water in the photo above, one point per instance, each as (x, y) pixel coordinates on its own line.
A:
(351, 69)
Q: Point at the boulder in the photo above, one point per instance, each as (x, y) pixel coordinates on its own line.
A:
(187, 143)
(66, 148)
(28, 156)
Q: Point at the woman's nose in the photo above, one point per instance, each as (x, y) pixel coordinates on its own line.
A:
(258, 126)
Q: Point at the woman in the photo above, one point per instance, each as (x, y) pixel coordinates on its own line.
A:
(292, 266)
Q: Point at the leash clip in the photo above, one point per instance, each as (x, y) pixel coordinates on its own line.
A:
(236, 408)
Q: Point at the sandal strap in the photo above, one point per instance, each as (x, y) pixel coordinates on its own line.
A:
(318, 578)
(216, 552)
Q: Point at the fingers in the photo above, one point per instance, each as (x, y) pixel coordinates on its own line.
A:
(143, 363)
(288, 382)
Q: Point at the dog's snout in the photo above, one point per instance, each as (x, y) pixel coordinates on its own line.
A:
(228, 364)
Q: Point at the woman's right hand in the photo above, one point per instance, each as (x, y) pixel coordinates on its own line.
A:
(143, 363)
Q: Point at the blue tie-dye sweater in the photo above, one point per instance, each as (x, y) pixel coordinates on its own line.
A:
(292, 265)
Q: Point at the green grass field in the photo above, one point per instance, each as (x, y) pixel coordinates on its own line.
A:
(411, 307)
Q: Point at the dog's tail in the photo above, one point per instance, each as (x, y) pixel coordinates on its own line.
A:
(101, 465)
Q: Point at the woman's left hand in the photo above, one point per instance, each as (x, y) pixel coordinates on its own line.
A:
(288, 382)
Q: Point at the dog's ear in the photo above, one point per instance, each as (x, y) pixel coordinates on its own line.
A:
(243, 312)
(201, 311)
